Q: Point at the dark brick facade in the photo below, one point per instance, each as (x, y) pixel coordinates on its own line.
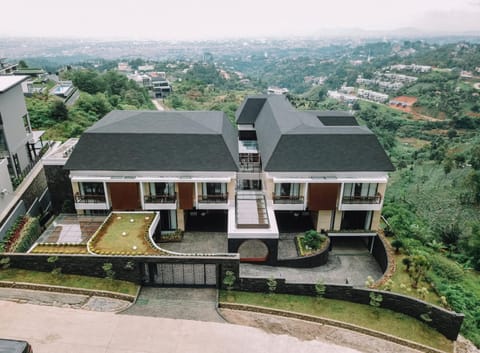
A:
(60, 188)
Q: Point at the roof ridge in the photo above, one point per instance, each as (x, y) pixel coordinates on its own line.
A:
(201, 124)
(105, 122)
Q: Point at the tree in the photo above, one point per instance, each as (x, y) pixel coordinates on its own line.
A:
(22, 64)
(59, 111)
(475, 157)
(418, 268)
(473, 246)
(397, 244)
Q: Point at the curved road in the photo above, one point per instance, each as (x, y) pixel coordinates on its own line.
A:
(54, 329)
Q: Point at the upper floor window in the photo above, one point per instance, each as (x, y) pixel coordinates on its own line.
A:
(359, 190)
(214, 188)
(287, 189)
(162, 188)
(26, 123)
(92, 189)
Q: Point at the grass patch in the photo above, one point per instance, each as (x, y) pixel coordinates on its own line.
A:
(382, 320)
(65, 280)
(79, 249)
(124, 234)
(402, 284)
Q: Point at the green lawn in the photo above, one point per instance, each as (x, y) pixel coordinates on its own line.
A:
(75, 281)
(402, 277)
(382, 320)
(121, 235)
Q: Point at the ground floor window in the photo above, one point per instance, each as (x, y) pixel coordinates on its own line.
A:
(356, 220)
(97, 212)
(168, 220)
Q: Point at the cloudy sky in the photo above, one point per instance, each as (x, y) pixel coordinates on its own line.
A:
(211, 19)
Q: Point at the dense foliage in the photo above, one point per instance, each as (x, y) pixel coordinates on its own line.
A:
(100, 94)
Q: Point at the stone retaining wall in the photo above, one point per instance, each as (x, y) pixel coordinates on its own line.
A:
(446, 322)
(330, 322)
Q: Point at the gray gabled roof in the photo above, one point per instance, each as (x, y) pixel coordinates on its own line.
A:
(291, 140)
(157, 141)
(248, 111)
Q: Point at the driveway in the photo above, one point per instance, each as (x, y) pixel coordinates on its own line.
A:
(55, 330)
(177, 303)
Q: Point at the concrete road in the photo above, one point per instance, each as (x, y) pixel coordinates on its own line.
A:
(55, 330)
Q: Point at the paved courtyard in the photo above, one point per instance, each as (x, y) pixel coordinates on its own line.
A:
(199, 242)
(349, 261)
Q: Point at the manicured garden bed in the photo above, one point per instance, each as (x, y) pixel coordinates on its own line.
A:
(21, 235)
(124, 234)
(172, 237)
(80, 249)
(304, 250)
(382, 320)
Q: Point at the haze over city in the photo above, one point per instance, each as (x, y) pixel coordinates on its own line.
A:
(216, 19)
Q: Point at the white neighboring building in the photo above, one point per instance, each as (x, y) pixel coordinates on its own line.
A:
(372, 95)
(277, 90)
(16, 137)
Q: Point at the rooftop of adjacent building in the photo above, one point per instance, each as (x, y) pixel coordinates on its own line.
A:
(9, 81)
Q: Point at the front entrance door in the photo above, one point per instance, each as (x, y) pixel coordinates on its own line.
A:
(125, 196)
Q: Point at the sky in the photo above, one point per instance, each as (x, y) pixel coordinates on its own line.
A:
(217, 19)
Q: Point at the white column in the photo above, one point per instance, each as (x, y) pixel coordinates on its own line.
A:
(305, 195)
(196, 196)
(107, 196)
(142, 198)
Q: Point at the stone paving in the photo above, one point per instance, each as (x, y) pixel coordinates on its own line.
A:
(177, 303)
(76, 301)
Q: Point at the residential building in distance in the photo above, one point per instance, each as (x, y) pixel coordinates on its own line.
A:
(343, 97)
(277, 90)
(372, 95)
(160, 86)
(64, 90)
(7, 68)
(199, 173)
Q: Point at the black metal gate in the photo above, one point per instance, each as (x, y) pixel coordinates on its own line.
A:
(178, 274)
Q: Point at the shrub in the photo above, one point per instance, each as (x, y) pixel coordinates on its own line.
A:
(107, 267)
(272, 285)
(446, 268)
(313, 239)
(229, 280)
(5, 263)
(320, 288)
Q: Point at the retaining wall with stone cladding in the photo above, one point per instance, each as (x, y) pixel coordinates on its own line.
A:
(446, 322)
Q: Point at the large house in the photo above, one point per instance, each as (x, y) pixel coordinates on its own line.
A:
(280, 165)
